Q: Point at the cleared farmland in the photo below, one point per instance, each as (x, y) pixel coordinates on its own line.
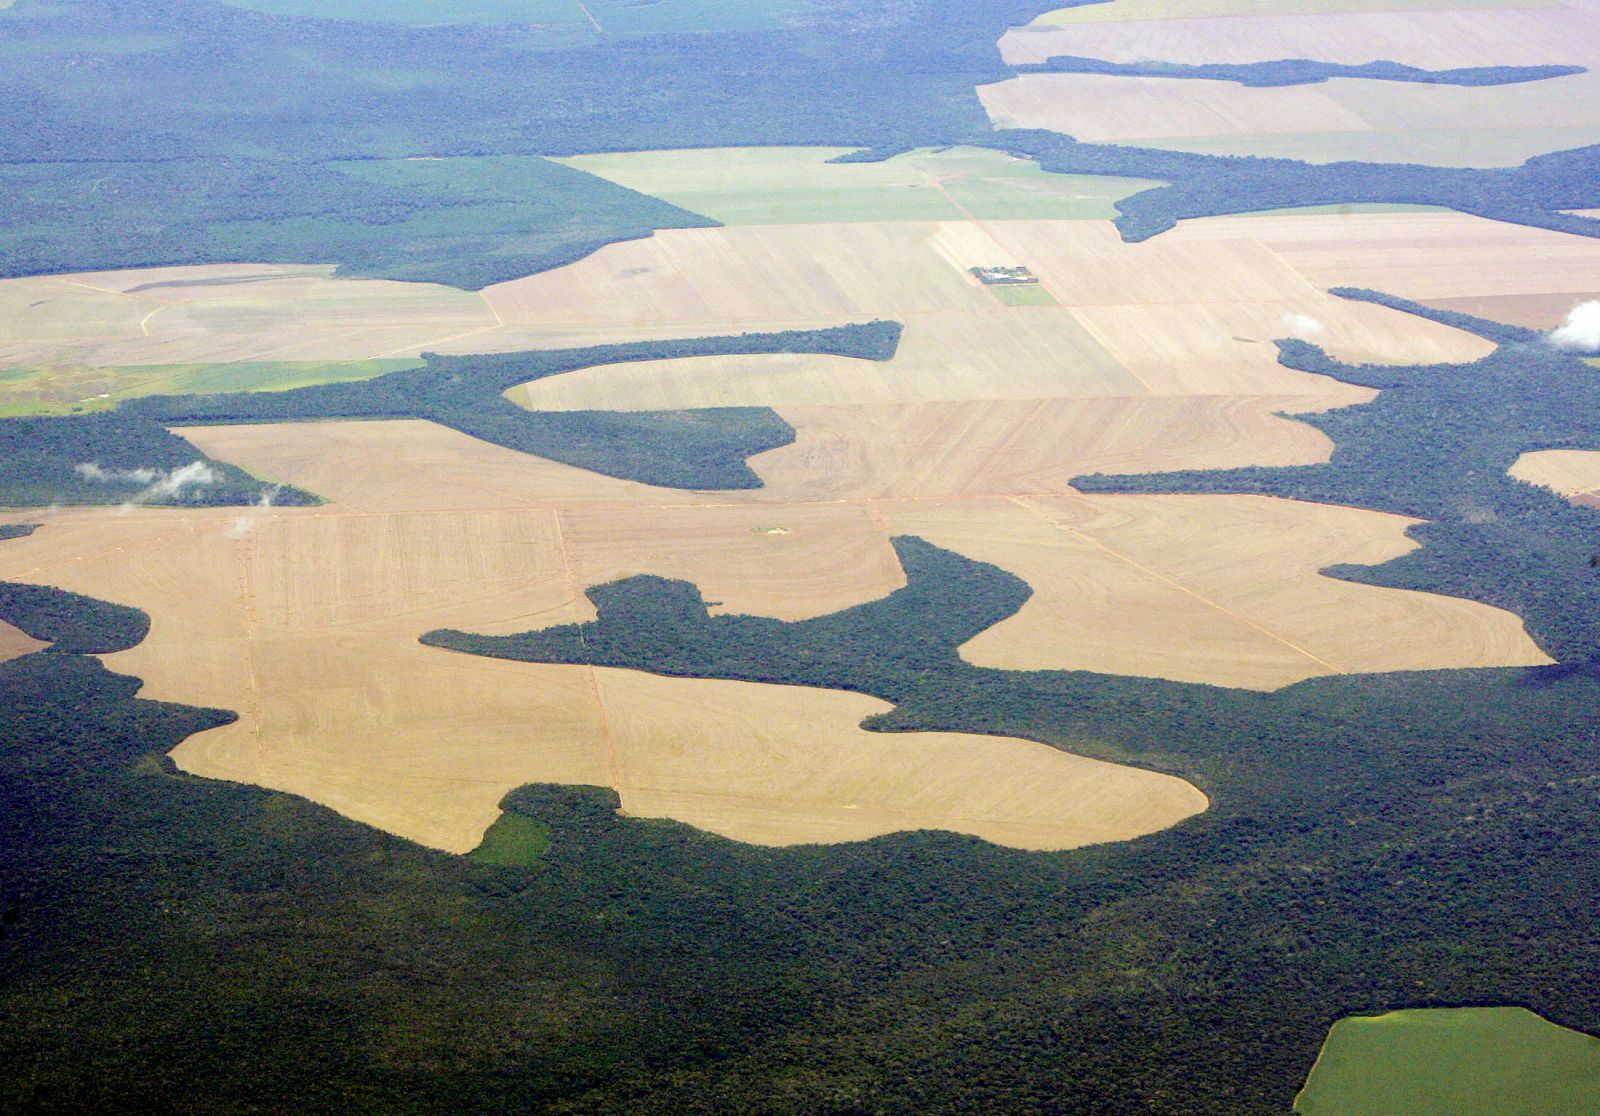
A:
(790, 185)
(1574, 474)
(1121, 10)
(305, 621)
(1206, 589)
(1444, 38)
(186, 316)
(1453, 1062)
(15, 644)
(1345, 119)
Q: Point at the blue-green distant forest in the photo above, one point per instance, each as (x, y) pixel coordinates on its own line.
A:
(190, 131)
(178, 945)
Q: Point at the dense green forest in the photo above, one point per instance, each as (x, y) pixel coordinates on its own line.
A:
(1297, 71)
(119, 458)
(1436, 444)
(1374, 841)
(464, 222)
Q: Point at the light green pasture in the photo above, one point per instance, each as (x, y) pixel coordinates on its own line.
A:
(69, 388)
(1453, 1062)
(798, 185)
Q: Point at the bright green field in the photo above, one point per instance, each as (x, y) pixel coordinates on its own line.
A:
(798, 185)
(53, 391)
(1024, 296)
(620, 16)
(513, 841)
(1453, 1062)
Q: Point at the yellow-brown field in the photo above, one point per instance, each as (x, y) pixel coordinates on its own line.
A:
(1440, 39)
(1220, 589)
(306, 622)
(15, 644)
(227, 312)
(1347, 119)
(1574, 474)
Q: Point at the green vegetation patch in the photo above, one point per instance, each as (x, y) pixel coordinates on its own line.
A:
(1453, 1062)
(1024, 295)
(513, 841)
(466, 222)
(71, 389)
(801, 185)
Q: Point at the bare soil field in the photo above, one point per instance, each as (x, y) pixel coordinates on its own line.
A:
(305, 621)
(1440, 39)
(1422, 256)
(1121, 10)
(1344, 119)
(1219, 589)
(15, 644)
(231, 312)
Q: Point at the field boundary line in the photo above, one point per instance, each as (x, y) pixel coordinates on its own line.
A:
(613, 762)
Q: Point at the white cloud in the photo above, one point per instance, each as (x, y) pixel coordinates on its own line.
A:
(1580, 333)
(156, 483)
(1303, 326)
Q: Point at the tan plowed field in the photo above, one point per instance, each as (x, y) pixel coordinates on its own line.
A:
(225, 312)
(1346, 119)
(305, 621)
(1220, 589)
(1027, 446)
(1574, 474)
(781, 765)
(15, 644)
(1436, 40)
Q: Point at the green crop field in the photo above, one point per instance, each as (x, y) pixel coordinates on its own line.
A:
(64, 390)
(1453, 1062)
(798, 185)
(1024, 296)
(513, 841)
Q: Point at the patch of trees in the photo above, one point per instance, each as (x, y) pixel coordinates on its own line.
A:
(679, 449)
(118, 457)
(463, 222)
(70, 623)
(1537, 193)
(1436, 444)
(1298, 71)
